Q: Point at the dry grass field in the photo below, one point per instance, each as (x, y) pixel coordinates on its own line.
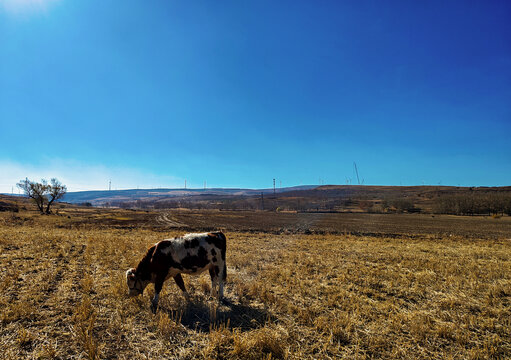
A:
(291, 295)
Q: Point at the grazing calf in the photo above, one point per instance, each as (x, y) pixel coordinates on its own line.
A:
(190, 254)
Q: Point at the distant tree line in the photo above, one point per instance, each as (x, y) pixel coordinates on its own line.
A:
(473, 204)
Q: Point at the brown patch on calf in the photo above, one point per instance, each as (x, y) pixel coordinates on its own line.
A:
(156, 262)
(191, 243)
(218, 240)
(163, 244)
(212, 274)
(143, 270)
(214, 271)
(194, 262)
(176, 265)
(202, 253)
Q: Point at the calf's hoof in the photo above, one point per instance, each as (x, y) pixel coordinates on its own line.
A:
(225, 301)
(154, 308)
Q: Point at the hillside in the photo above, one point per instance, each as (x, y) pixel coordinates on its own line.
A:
(101, 197)
(379, 199)
(328, 198)
(10, 203)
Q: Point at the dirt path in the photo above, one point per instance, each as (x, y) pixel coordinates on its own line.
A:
(167, 219)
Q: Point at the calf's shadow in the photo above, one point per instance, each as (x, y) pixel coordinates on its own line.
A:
(203, 316)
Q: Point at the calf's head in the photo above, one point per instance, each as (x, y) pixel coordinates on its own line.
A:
(136, 285)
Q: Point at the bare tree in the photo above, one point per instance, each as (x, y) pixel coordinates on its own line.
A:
(56, 190)
(43, 192)
(35, 191)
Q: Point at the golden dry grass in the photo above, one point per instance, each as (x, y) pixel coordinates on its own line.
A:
(63, 295)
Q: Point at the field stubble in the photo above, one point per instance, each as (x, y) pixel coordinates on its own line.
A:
(63, 295)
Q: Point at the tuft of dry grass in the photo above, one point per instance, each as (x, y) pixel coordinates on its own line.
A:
(291, 296)
(265, 342)
(84, 319)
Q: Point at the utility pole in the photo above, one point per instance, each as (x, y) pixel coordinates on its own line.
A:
(273, 187)
(356, 170)
(185, 183)
(109, 185)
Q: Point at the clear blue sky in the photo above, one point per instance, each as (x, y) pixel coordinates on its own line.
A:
(236, 93)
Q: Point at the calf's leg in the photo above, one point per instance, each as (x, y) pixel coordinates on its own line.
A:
(222, 275)
(179, 281)
(157, 289)
(213, 272)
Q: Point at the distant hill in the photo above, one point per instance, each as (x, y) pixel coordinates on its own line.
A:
(101, 197)
(351, 198)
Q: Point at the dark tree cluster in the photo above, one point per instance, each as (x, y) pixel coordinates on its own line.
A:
(474, 204)
(399, 205)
